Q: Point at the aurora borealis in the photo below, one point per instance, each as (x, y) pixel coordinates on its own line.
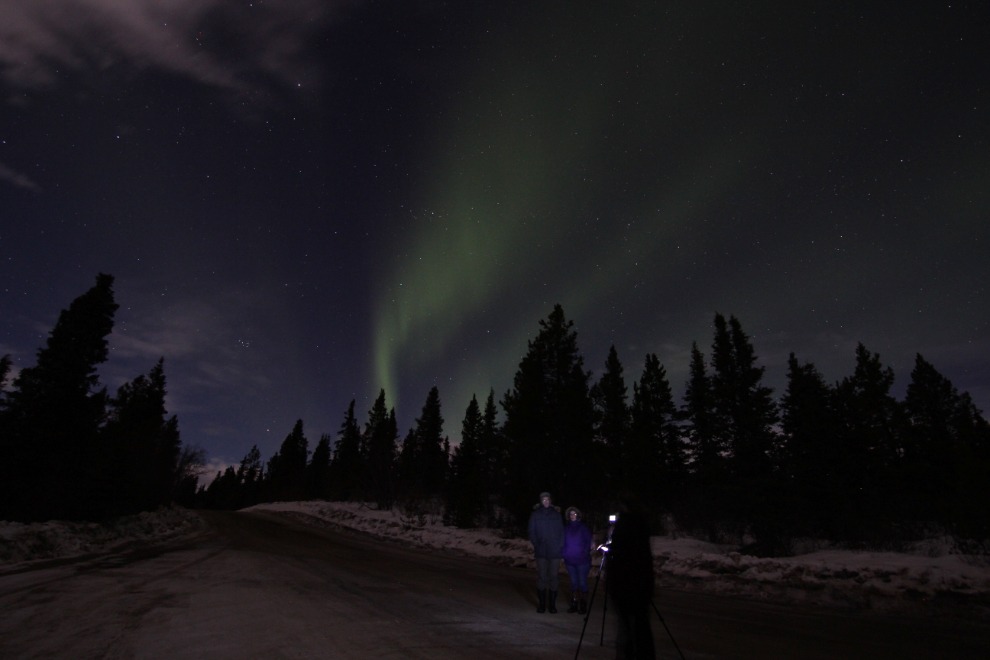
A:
(392, 195)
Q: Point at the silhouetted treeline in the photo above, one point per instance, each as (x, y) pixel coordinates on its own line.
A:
(72, 451)
(843, 461)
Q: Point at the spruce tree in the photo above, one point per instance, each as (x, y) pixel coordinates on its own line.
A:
(287, 467)
(610, 399)
(707, 491)
(51, 426)
(5, 364)
(724, 385)
(656, 454)
(492, 459)
(7, 486)
(549, 422)
(931, 445)
(407, 466)
(699, 412)
(465, 486)
(755, 413)
(318, 471)
(347, 467)
(755, 448)
(432, 459)
(249, 476)
(141, 447)
(811, 452)
(380, 436)
(970, 514)
(870, 446)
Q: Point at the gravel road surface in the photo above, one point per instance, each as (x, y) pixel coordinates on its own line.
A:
(259, 586)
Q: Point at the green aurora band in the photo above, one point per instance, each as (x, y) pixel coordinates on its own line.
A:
(514, 214)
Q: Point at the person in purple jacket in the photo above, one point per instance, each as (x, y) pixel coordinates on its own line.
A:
(577, 559)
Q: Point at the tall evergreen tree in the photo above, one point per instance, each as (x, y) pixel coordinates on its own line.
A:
(224, 492)
(755, 447)
(5, 364)
(656, 451)
(610, 399)
(347, 468)
(970, 515)
(549, 421)
(870, 444)
(407, 466)
(490, 432)
(318, 471)
(708, 493)
(724, 385)
(744, 414)
(811, 453)
(50, 429)
(755, 413)
(140, 446)
(432, 459)
(465, 491)
(250, 474)
(287, 467)
(931, 443)
(492, 459)
(944, 459)
(704, 443)
(380, 436)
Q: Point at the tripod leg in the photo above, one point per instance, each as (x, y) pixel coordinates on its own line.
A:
(590, 604)
(665, 627)
(601, 642)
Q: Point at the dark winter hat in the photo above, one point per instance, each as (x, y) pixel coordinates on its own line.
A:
(567, 514)
(545, 496)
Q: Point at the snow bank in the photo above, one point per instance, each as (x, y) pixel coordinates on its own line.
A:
(873, 580)
(21, 542)
(935, 575)
(392, 525)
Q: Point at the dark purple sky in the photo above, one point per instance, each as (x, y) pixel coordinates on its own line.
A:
(304, 202)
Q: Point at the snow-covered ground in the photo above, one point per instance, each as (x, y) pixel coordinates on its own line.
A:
(934, 572)
(55, 539)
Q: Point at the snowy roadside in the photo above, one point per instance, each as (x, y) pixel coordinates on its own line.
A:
(935, 578)
(56, 539)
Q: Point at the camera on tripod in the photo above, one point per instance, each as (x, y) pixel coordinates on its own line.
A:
(612, 519)
(604, 549)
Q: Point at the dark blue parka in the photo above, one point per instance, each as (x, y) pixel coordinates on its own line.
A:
(546, 532)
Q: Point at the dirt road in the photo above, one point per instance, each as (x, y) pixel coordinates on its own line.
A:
(258, 586)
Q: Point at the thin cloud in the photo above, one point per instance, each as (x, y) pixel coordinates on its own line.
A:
(40, 38)
(17, 179)
(213, 466)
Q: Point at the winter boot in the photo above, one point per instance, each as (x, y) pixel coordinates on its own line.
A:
(552, 605)
(574, 603)
(583, 607)
(542, 607)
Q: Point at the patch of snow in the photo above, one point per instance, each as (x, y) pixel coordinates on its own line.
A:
(20, 542)
(392, 525)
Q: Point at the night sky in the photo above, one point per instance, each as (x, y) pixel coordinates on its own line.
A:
(304, 202)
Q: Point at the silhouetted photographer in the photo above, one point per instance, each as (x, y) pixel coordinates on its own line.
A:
(630, 582)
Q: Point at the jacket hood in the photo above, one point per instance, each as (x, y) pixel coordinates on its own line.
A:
(539, 505)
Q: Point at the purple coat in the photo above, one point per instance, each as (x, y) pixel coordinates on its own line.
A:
(577, 544)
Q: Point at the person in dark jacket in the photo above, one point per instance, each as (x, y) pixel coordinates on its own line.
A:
(546, 533)
(630, 578)
(577, 559)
